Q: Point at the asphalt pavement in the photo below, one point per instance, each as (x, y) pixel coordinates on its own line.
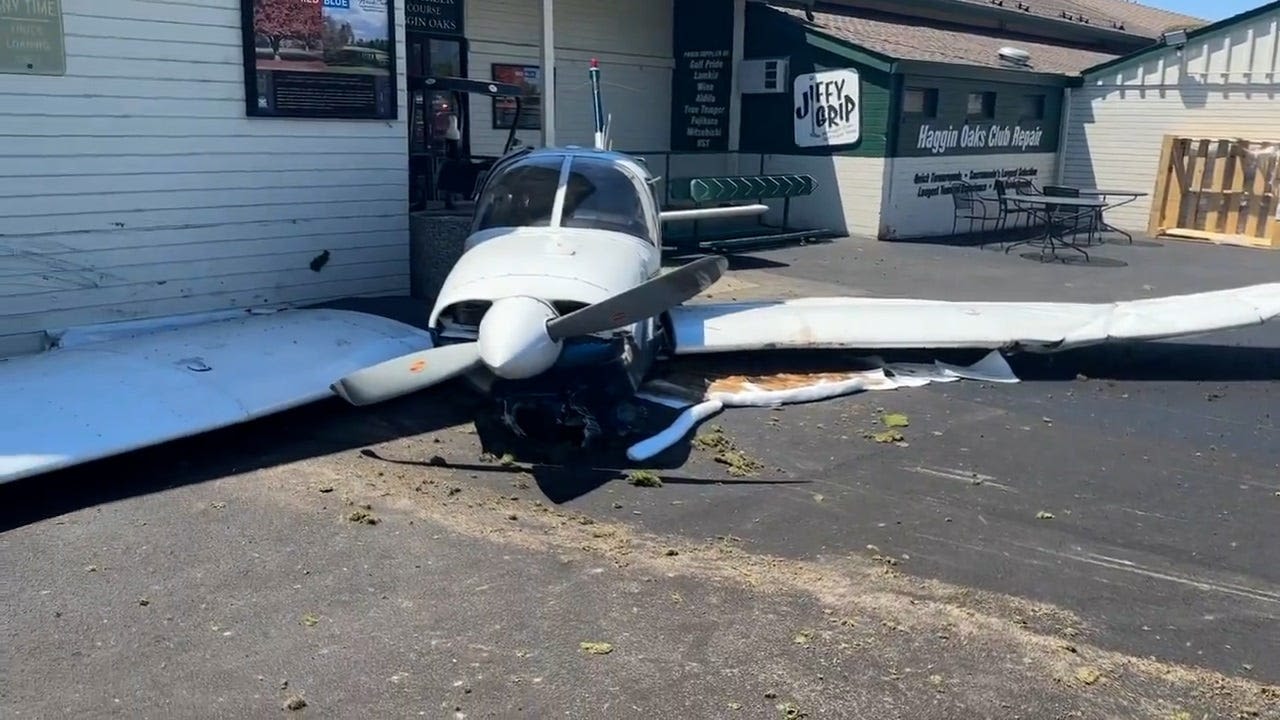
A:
(1099, 540)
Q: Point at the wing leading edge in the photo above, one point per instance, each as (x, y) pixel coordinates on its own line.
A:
(884, 323)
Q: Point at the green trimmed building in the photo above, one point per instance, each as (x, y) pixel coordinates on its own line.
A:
(887, 110)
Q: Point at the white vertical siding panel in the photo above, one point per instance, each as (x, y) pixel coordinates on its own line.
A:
(135, 186)
(1224, 84)
(632, 40)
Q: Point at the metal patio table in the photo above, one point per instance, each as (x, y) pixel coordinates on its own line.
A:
(1044, 205)
(1130, 196)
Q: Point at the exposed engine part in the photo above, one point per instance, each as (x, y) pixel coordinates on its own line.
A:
(551, 419)
(587, 397)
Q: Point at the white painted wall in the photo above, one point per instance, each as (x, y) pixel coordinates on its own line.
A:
(135, 186)
(632, 40)
(1223, 84)
(848, 198)
(915, 205)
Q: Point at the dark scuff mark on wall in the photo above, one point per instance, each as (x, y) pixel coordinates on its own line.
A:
(320, 261)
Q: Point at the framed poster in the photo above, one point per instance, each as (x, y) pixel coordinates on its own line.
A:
(320, 58)
(529, 79)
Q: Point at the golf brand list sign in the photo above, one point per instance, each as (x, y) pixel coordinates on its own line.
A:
(703, 81)
(31, 37)
(827, 108)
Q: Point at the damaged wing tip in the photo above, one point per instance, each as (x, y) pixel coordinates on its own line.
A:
(341, 391)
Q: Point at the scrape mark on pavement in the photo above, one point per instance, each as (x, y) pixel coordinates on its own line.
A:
(1122, 565)
(965, 476)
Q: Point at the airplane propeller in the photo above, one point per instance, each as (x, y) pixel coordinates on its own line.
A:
(520, 337)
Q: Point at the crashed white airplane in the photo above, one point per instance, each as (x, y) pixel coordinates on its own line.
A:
(558, 309)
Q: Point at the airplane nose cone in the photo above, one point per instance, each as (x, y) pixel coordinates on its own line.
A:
(513, 340)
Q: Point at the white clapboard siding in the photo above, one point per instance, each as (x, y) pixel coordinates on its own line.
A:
(631, 39)
(1224, 83)
(136, 186)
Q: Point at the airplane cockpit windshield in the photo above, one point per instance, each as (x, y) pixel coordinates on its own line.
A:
(599, 194)
(522, 194)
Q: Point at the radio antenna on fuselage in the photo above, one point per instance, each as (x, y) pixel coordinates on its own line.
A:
(598, 105)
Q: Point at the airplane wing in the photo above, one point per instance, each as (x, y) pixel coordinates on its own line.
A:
(98, 395)
(891, 323)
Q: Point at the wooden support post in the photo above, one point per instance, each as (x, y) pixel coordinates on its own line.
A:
(1164, 183)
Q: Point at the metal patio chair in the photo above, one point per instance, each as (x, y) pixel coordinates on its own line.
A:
(967, 206)
(1073, 216)
(1008, 208)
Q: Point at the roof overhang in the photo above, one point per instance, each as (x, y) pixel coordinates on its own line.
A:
(894, 66)
(978, 72)
(994, 17)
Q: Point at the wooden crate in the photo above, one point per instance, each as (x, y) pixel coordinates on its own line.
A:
(1218, 190)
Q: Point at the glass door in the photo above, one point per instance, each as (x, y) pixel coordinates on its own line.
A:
(438, 123)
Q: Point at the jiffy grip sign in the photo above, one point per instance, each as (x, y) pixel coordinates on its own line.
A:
(827, 108)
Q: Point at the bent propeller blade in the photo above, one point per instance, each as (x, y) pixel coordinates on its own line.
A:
(406, 374)
(642, 301)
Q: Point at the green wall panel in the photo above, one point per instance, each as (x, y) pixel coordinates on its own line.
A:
(768, 120)
(953, 131)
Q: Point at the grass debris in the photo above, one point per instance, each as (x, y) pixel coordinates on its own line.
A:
(596, 648)
(895, 420)
(310, 619)
(790, 711)
(294, 702)
(739, 464)
(644, 478)
(888, 436)
(362, 516)
(1088, 675)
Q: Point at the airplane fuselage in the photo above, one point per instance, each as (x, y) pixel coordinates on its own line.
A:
(556, 270)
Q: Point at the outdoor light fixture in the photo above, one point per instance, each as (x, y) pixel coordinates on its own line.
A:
(1176, 38)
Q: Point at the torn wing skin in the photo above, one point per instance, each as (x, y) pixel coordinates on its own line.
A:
(883, 323)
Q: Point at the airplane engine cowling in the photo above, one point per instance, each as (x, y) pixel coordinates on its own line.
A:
(513, 340)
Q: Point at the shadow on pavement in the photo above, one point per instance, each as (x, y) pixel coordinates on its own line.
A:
(1153, 362)
(563, 474)
(326, 428)
(317, 429)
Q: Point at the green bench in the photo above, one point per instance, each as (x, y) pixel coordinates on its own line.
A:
(732, 190)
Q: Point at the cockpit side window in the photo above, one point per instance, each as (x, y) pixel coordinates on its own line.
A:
(601, 195)
(524, 194)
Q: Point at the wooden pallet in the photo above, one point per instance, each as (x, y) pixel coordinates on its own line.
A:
(1218, 190)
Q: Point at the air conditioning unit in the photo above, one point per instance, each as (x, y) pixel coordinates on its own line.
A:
(766, 75)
